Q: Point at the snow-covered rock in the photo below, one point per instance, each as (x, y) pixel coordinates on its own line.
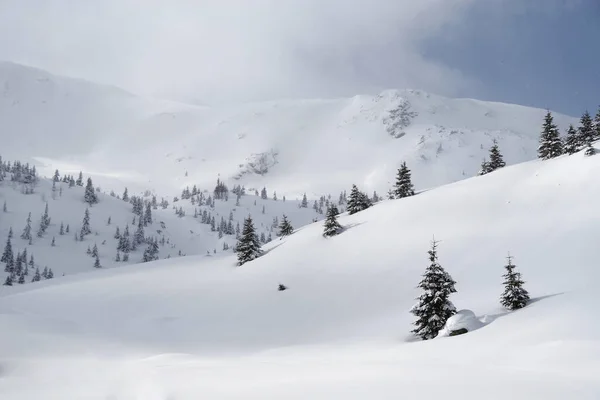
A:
(463, 319)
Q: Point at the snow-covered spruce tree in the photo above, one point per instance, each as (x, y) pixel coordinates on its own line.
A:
(139, 236)
(285, 228)
(263, 193)
(148, 215)
(94, 252)
(79, 181)
(27, 231)
(586, 131)
(358, 201)
(97, 262)
(36, 276)
(597, 124)
(514, 296)
(85, 227)
(56, 177)
(248, 246)
(151, 252)
(8, 257)
(485, 168)
(304, 203)
(331, 226)
(125, 195)
(61, 231)
(571, 144)
(8, 281)
(403, 187)
(550, 144)
(90, 196)
(496, 159)
(434, 307)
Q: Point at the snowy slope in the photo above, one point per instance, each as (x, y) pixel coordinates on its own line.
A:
(200, 328)
(183, 236)
(293, 146)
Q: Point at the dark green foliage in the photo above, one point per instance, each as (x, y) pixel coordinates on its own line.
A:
(586, 131)
(331, 227)
(358, 201)
(514, 296)
(434, 307)
(496, 159)
(248, 246)
(571, 144)
(285, 228)
(550, 144)
(403, 187)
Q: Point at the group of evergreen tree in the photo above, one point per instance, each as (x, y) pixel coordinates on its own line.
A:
(576, 139)
(434, 306)
(18, 266)
(19, 172)
(496, 160)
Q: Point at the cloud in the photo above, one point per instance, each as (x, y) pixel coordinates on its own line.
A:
(236, 50)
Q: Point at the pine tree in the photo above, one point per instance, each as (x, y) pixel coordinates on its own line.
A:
(304, 203)
(27, 231)
(550, 144)
(597, 125)
(496, 159)
(21, 280)
(514, 296)
(403, 187)
(358, 201)
(56, 177)
(8, 281)
(263, 193)
(45, 273)
(485, 168)
(125, 257)
(125, 195)
(36, 277)
(79, 181)
(571, 145)
(586, 131)
(148, 215)
(332, 226)
(7, 254)
(434, 308)
(94, 252)
(61, 231)
(50, 274)
(85, 228)
(53, 244)
(90, 194)
(97, 262)
(67, 229)
(118, 257)
(138, 237)
(151, 252)
(108, 222)
(285, 228)
(248, 246)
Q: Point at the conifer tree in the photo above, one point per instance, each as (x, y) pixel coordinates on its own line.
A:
(53, 244)
(21, 280)
(263, 193)
(571, 145)
(586, 131)
(331, 227)
(148, 215)
(550, 144)
(36, 276)
(50, 274)
(285, 228)
(56, 177)
(67, 229)
(358, 201)
(8, 281)
(485, 168)
(118, 257)
(151, 252)
(85, 228)
(403, 187)
(125, 257)
(514, 296)
(4, 208)
(97, 262)
(125, 195)
(304, 203)
(79, 181)
(90, 194)
(45, 273)
(248, 246)
(138, 237)
(597, 125)
(434, 307)
(94, 251)
(496, 159)
(27, 231)
(61, 231)
(7, 254)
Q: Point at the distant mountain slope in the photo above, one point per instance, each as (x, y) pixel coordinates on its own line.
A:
(292, 146)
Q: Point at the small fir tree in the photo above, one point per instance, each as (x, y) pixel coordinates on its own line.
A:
(97, 262)
(248, 246)
(586, 131)
(85, 227)
(571, 144)
(27, 230)
(36, 276)
(90, 196)
(285, 228)
(79, 181)
(496, 159)
(550, 144)
(331, 226)
(514, 296)
(403, 187)
(8, 281)
(434, 307)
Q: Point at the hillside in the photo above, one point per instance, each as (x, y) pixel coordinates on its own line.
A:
(198, 327)
(291, 146)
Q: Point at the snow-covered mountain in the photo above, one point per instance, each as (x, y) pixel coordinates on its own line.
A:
(291, 146)
(200, 328)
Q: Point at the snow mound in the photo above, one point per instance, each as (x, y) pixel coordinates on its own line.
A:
(464, 319)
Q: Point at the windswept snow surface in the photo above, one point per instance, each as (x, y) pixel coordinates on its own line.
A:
(315, 146)
(201, 328)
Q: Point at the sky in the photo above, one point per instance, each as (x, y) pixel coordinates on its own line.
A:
(224, 51)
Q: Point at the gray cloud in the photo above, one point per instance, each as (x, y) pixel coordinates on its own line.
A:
(235, 50)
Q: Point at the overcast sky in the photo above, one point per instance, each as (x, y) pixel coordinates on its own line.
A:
(219, 51)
